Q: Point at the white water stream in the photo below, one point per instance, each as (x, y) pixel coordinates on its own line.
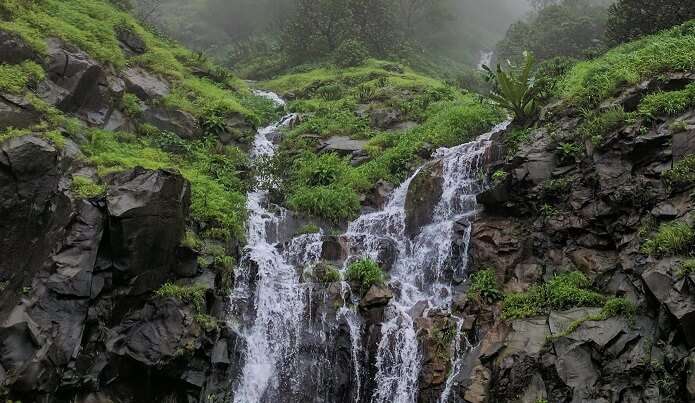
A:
(271, 301)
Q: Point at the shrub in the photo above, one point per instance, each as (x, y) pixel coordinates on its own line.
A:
(557, 187)
(499, 176)
(597, 125)
(564, 291)
(484, 285)
(131, 105)
(85, 188)
(187, 294)
(611, 308)
(351, 53)
(320, 170)
(366, 272)
(190, 240)
(334, 202)
(682, 173)
(685, 268)
(671, 238)
(514, 138)
(516, 90)
(325, 273)
(207, 322)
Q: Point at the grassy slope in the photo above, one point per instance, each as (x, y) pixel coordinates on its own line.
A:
(217, 186)
(591, 81)
(327, 185)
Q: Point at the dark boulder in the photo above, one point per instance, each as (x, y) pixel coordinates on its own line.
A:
(144, 84)
(14, 50)
(147, 211)
(424, 193)
(16, 112)
(130, 42)
(384, 118)
(77, 84)
(173, 120)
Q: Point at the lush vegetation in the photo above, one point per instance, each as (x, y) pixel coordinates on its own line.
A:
(366, 273)
(670, 239)
(484, 285)
(590, 82)
(194, 295)
(564, 291)
(516, 90)
(611, 308)
(329, 185)
(682, 173)
(86, 188)
(668, 103)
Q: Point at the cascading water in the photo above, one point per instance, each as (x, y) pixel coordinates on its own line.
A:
(419, 271)
(485, 58)
(267, 288)
(272, 308)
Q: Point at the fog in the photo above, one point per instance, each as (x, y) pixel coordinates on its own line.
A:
(451, 30)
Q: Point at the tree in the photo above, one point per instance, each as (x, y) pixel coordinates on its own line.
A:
(631, 19)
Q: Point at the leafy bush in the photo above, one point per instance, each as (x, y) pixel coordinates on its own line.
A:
(685, 268)
(484, 285)
(351, 53)
(335, 202)
(366, 272)
(671, 238)
(85, 188)
(682, 173)
(564, 291)
(320, 170)
(131, 105)
(187, 294)
(190, 240)
(597, 125)
(325, 273)
(516, 90)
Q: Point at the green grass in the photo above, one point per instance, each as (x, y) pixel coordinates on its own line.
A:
(670, 239)
(217, 192)
(668, 103)
(366, 273)
(86, 188)
(564, 291)
(597, 125)
(686, 267)
(336, 203)
(590, 82)
(682, 173)
(484, 285)
(14, 78)
(308, 229)
(611, 308)
(194, 295)
(131, 105)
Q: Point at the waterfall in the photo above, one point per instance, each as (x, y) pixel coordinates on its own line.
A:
(269, 303)
(485, 58)
(267, 291)
(419, 271)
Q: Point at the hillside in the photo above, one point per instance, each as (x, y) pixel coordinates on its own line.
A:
(353, 231)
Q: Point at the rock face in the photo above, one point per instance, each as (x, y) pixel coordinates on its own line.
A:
(424, 192)
(77, 307)
(551, 214)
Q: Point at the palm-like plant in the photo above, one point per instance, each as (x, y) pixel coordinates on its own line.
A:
(516, 89)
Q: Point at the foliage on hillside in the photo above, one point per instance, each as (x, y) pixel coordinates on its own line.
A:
(339, 102)
(93, 26)
(632, 19)
(591, 81)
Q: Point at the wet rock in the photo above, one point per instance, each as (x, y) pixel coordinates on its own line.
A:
(379, 194)
(17, 113)
(130, 42)
(683, 144)
(384, 118)
(144, 85)
(176, 121)
(424, 193)
(341, 145)
(677, 296)
(78, 84)
(147, 210)
(376, 296)
(13, 50)
(156, 334)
